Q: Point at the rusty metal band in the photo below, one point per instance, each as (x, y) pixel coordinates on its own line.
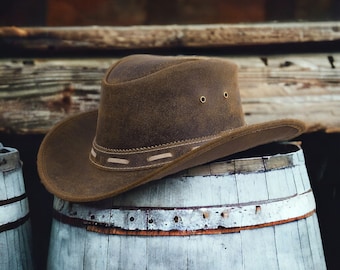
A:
(190, 221)
(15, 224)
(220, 230)
(13, 200)
(12, 214)
(104, 229)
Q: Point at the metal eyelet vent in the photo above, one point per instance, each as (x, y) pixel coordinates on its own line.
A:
(203, 99)
(225, 94)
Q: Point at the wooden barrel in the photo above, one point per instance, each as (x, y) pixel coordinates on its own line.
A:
(15, 227)
(253, 212)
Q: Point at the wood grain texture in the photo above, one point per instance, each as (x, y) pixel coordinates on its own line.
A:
(170, 36)
(37, 93)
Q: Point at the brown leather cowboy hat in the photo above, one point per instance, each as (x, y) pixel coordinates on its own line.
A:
(157, 116)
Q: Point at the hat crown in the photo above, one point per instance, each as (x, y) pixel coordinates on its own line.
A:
(153, 101)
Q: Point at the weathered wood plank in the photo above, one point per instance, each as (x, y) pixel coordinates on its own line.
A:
(305, 242)
(261, 251)
(283, 244)
(170, 36)
(37, 93)
(313, 225)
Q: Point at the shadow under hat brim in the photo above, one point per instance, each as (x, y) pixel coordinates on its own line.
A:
(65, 170)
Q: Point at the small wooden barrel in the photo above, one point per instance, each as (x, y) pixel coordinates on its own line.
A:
(244, 213)
(15, 227)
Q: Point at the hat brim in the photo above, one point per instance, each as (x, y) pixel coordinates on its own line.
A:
(65, 170)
